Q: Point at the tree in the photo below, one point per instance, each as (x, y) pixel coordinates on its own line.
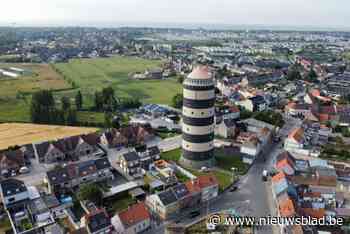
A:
(108, 119)
(109, 101)
(130, 103)
(270, 117)
(177, 101)
(72, 117)
(42, 108)
(312, 75)
(79, 100)
(90, 192)
(293, 73)
(65, 103)
(180, 79)
(98, 101)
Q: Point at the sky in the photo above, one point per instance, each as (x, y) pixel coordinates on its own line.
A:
(317, 13)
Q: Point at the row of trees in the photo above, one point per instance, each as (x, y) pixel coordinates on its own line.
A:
(44, 110)
(107, 101)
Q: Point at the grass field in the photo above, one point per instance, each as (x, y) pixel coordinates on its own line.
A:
(89, 75)
(42, 77)
(94, 74)
(173, 155)
(224, 162)
(20, 134)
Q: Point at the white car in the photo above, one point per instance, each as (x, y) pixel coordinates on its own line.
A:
(24, 170)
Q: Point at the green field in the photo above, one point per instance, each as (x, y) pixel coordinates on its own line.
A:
(40, 76)
(94, 74)
(224, 162)
(88, 75)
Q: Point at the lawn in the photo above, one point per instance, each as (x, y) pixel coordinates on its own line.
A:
(165, 135)
(226, 159)
(94, 74)
(173, 155)
(118, 203)
(12, 110)
(91, 117)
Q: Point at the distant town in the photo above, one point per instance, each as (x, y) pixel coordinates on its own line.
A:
(157, 130)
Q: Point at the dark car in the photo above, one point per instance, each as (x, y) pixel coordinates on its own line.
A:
(194, 214)
(233, 189)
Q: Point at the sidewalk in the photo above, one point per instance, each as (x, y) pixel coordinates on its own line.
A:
(272, 207)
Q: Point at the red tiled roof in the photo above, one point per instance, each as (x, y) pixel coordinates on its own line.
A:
(202, 181)
(207, 180)
(134, 214)
(276, 178)
(314, 213)
(192, 186)
(284, 162)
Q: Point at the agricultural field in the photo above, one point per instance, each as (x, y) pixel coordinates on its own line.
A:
(88, 75)
(94, 74)
(20, 134)
(41, 76)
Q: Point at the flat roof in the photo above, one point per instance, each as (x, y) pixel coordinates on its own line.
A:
(12, 134)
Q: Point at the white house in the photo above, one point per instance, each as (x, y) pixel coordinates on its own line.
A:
(135, 219)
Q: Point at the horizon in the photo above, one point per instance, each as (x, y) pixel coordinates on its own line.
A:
(187, 26)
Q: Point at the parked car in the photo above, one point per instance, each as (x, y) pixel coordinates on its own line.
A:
(24, 170)
(264, 175)
(194, 214)
(233, 189)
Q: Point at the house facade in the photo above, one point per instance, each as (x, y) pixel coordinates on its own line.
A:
(133, 220)
(71, 148)
(77, 173)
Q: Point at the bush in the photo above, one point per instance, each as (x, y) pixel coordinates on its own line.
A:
(90, 192)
